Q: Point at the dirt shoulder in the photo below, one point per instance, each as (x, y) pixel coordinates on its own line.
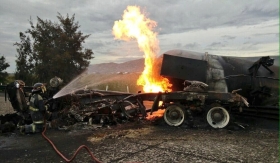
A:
(139, 142)
(5, 105)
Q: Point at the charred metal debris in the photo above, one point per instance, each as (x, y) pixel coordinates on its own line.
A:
(110, 107)
(234, 87)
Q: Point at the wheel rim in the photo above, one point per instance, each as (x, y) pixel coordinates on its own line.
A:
(174, 115)
(218, 117)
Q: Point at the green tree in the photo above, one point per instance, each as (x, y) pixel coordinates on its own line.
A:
(56, 50)
(24, 62)
(3, 66)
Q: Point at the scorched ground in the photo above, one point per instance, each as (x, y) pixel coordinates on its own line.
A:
(146, 142)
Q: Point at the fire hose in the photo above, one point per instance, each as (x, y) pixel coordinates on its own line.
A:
(76, 152)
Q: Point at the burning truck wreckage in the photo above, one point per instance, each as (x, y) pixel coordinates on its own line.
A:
(179, 87)
(220, 89)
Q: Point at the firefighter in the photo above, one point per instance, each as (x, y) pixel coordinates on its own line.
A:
(37, 109)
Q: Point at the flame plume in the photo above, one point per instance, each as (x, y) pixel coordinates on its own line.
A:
(135, 25)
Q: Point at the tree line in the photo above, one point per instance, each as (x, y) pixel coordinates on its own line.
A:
(49, 49)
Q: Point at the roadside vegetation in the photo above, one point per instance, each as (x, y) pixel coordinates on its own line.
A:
(4, 76)
(48, 49)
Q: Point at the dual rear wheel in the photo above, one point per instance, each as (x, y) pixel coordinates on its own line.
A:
(216, 116)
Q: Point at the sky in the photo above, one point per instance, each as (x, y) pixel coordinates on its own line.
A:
(228, 27)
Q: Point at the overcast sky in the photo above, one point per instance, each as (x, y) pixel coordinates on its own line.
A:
(228, 27)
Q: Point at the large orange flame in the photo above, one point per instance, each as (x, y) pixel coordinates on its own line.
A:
(136, 26)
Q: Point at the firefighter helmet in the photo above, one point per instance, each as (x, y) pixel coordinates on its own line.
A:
(38, 88)
(19, 83)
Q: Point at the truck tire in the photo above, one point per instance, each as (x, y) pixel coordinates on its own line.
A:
(174, 115)
(217, 117)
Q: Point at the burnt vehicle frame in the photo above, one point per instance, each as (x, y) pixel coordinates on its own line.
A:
(182, 106)
(256, 78)
(215, 105)
(102, 107)
(116, 107)
(111, 107)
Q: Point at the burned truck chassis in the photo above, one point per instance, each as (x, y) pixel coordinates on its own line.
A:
(104, 107)
(100, 107)
(111, 107)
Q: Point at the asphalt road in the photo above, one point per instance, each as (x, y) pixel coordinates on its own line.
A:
(144, 142)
